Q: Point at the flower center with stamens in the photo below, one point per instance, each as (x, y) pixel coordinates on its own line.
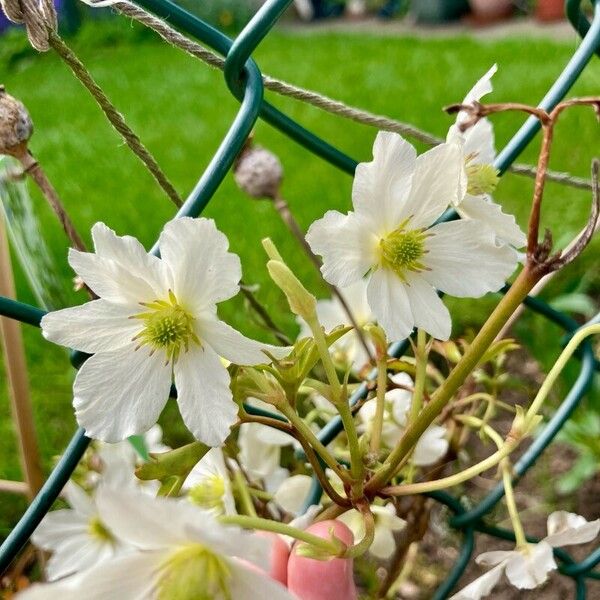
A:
(99, 531)
(194, 572)
(167, 327)
(403, 250)
(209, 493)
(481, 179)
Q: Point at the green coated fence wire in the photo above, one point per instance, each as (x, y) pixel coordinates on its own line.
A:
(244, 79)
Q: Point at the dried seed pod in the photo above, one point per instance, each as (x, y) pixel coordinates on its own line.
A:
(258, 172)
(16, 126)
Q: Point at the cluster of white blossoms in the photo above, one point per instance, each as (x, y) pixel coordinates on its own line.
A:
(171, 550)
(154, 331)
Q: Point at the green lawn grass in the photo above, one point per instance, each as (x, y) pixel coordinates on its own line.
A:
(182, 109)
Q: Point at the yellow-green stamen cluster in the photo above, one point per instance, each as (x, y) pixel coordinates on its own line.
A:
(99, 531)
(481, 179)
(403, 250)
(209, 493)
(167, 327)
(194, 572)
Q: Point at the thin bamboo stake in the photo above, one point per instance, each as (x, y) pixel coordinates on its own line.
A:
(14, 487)
(16, 369)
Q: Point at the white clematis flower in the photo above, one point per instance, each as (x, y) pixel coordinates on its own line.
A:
(389, 238)
(477, 144)
(528, 568)
(208, 485)
(348, 349)
(182, 552)
(155, 322)
(77, 537)
(432, 445)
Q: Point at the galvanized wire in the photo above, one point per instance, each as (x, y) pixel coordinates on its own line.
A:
(245, 81)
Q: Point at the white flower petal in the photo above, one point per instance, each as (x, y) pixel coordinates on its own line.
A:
(476, 93)
(130, 577)
(78, 555)
(121, 393)
(383, 545)
(565, 529)
(386, 517)
(482, 87)
(203, 270)
(110, 280)
(354, 521)
(79, 500)
(146, 522)
(482, 586)
(403, 378)
(57, 526)
(381, 187)
(495, 557)
(389, 301)
(465, 261)
(428, 310)
(274, 437)
(205, 400)
(259, 458)
(479, 143)
(401, 401)
(234, 346)
(346, 244)
(292, 493)
(97, 326)
(486, 212)
(528, 571)
(251, 584)
(432, 446)
(129, 253)
(436, 185)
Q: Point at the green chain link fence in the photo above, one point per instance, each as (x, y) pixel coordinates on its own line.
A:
(244, 79)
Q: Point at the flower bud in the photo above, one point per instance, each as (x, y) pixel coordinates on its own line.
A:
(258, 172)
(16, 126)
(301, 301)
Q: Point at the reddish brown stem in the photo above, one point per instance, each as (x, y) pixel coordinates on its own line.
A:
(35, 171)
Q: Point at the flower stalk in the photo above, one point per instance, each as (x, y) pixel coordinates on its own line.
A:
(509, 303)
(329, 548)
(511, 504)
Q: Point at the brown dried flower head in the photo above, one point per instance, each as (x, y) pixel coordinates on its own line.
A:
(258, 172)
(16, 126)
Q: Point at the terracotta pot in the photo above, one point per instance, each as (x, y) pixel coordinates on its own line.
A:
(488, 11)
(550, 10)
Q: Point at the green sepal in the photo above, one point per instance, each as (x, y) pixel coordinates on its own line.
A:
(171, 468)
